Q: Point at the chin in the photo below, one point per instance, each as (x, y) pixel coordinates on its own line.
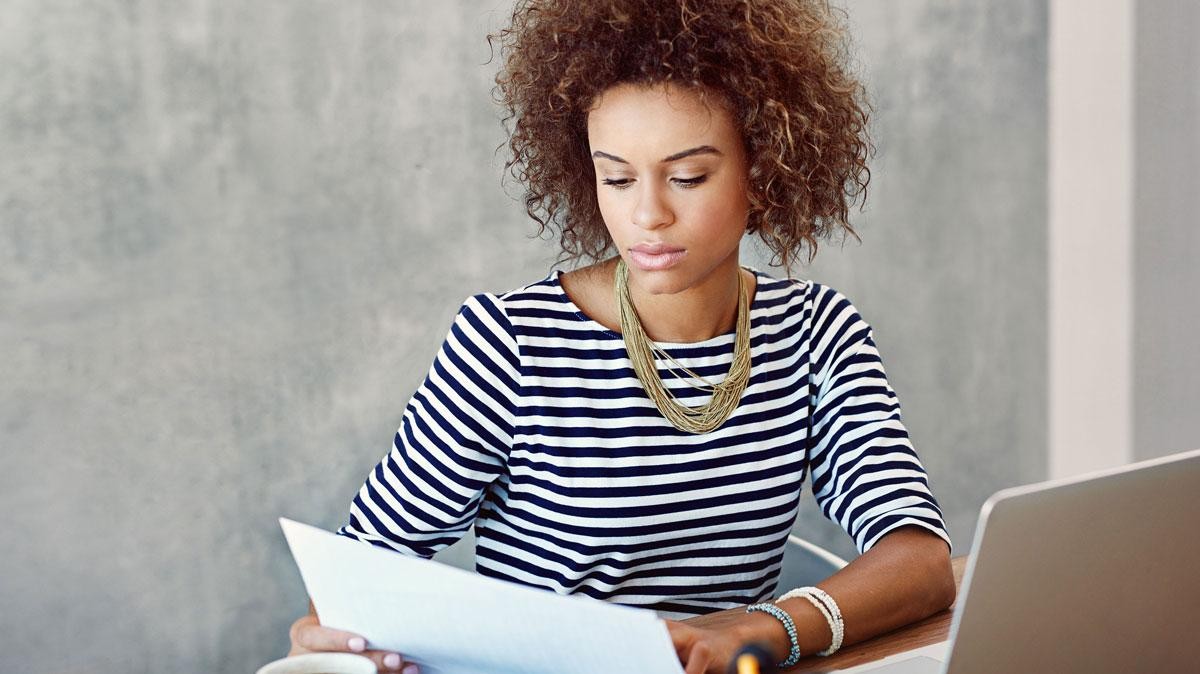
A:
(665, 282)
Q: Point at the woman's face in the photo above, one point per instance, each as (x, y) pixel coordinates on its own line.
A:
(670, 176)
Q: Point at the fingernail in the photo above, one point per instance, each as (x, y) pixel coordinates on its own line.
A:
(391, 661)
(411, 669)
(357, 644)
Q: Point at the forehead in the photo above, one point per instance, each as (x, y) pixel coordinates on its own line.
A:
(655, 121)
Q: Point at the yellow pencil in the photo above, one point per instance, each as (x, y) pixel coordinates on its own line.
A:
(747, 664)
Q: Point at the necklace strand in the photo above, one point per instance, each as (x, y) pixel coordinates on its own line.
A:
(641, 351)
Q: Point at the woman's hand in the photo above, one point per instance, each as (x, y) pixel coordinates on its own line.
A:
(707, 644)
(309, 636)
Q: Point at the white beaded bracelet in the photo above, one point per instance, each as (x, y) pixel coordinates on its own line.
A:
(837, 617)
(828, 608)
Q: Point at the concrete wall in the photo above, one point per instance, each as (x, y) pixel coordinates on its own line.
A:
(1166, 247)
(232, 236)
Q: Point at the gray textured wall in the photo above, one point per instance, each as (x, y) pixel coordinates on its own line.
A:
(1166, 228)
(232, 236)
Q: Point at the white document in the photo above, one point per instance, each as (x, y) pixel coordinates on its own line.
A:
(452, 621)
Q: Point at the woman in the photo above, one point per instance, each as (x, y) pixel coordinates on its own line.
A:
(639, 430)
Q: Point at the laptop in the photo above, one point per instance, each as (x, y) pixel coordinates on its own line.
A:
(1096, 573)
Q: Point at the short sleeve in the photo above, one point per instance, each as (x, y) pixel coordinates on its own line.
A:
(865, 475)
(453, 442)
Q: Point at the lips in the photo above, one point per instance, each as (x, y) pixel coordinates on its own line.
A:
(655, 257)
(655, 248)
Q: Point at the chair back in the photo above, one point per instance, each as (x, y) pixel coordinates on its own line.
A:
(806, 564)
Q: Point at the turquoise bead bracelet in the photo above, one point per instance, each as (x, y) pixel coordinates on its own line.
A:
(793, 655)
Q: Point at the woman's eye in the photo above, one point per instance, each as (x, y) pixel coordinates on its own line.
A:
(690, 182)
(619, 183)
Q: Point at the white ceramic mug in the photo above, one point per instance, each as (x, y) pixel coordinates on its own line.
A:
(320, 663)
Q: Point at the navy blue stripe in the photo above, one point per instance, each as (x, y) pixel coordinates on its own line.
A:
(660, 489)
(616, 366)
(890, 520)
(702, 548)
(616, 471)
(536, 568)
(655, 529)
(538, 540)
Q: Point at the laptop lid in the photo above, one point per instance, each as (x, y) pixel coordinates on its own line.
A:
(1097, 573)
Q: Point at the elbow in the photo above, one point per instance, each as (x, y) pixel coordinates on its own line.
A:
(928, 572)
(949, 593)
(942, 588)
(936, 590)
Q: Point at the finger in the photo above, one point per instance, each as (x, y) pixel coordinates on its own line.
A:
(387, 661)
(681, 638)
(316, 637)
(698, 658)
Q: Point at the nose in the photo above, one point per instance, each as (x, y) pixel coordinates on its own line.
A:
(652, 210)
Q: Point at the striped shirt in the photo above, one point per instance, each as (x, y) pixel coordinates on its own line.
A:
(532, 427)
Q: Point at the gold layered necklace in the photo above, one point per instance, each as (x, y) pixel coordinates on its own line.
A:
(725, 396)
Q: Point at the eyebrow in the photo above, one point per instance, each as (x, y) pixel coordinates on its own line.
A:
(703, 149)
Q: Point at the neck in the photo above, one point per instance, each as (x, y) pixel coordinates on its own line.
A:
(694, 314)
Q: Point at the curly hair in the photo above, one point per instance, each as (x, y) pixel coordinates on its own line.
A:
(779, 66)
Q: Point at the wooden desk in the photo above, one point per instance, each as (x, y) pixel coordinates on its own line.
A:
(931, 630)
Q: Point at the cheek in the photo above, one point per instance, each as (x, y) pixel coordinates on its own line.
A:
(725, 212)
(611, 208)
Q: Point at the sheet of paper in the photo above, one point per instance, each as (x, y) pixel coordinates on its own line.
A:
(452, 621)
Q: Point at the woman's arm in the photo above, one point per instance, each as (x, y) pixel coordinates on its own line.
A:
(904, 577)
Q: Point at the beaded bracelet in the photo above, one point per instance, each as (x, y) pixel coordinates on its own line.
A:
(828, 608)
(793, 654)
(839, 630)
